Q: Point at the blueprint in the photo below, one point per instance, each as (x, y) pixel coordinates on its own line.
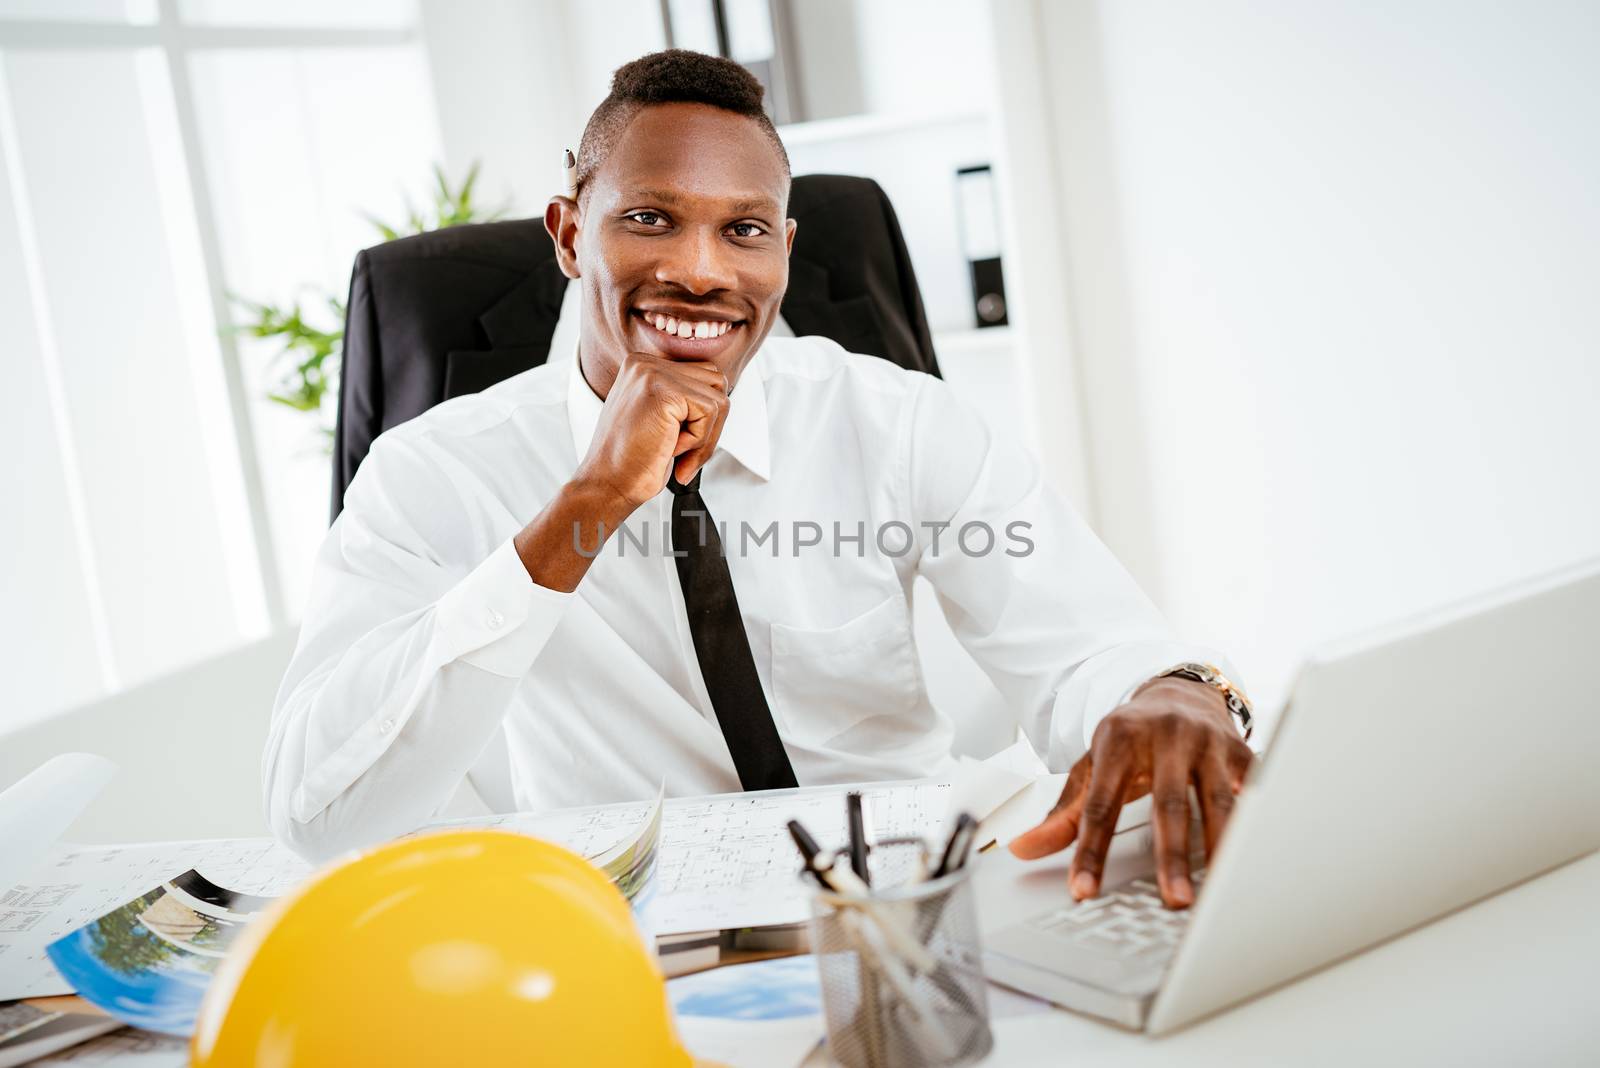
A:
(727, 860)
(724, 861)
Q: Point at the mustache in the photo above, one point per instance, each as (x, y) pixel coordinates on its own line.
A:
(684, 299)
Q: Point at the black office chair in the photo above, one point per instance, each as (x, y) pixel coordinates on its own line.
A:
(452, 312)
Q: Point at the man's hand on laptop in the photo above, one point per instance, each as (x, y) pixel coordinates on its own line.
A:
(1170, 733)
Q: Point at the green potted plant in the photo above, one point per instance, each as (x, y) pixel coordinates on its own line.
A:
(306, 366)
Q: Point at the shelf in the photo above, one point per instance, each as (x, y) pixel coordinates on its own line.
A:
(965, 342)
(854, 127)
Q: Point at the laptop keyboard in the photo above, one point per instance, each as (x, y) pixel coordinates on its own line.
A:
(1130, 920)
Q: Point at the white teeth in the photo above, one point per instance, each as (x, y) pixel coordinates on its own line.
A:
(685, 328)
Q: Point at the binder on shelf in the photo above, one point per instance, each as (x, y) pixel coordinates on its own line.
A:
(980, 240)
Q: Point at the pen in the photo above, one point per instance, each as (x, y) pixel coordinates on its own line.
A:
(955, 851)
(841, 880)
(844, 882)
(858, 836)
(809, 851)
(569, 172)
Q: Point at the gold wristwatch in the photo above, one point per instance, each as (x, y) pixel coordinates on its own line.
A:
(1238, 703)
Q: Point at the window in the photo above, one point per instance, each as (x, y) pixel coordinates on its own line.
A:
(156, 157)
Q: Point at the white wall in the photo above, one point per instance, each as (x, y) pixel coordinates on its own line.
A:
(884, 57)
(187, 747)
(924, 56)
(503, 88)
(1334, 269)
(515, 82)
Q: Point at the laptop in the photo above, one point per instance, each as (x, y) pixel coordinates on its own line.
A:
(1413, 772)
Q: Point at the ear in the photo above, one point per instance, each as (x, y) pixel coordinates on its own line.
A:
(789, 227)
(562, 218)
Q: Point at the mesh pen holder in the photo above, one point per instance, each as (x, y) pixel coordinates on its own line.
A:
(902, 975)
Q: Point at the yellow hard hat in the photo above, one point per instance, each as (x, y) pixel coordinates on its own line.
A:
(471, 948)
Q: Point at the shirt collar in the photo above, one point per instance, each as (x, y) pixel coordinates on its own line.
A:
(745, 436)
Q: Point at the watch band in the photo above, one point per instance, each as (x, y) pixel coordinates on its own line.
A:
(1209, 674)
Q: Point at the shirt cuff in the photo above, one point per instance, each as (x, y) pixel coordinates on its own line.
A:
(497, 618)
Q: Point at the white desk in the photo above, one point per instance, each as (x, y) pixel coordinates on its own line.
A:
(1511, 981)
(1514, 980)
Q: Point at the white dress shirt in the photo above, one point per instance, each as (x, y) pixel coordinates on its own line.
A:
(425, 643)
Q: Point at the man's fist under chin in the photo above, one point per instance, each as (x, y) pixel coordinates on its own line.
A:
(660, 415)
(1172, 732)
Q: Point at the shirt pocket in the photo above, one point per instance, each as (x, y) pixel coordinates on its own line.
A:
(824, 682)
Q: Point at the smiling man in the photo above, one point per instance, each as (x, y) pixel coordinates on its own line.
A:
(688, 551)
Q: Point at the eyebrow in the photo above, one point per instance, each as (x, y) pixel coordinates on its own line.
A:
(741, 206)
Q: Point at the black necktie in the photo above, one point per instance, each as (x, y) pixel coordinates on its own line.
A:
(721, 645)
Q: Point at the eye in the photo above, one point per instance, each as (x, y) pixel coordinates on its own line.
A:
(746, 229)
(646, 218)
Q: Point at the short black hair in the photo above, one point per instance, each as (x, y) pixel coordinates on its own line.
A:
(673, 76)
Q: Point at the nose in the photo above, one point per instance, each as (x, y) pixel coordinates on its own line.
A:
(696, 260)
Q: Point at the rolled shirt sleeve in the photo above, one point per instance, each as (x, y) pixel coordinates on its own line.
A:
(1052, 617)
(406, 663)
